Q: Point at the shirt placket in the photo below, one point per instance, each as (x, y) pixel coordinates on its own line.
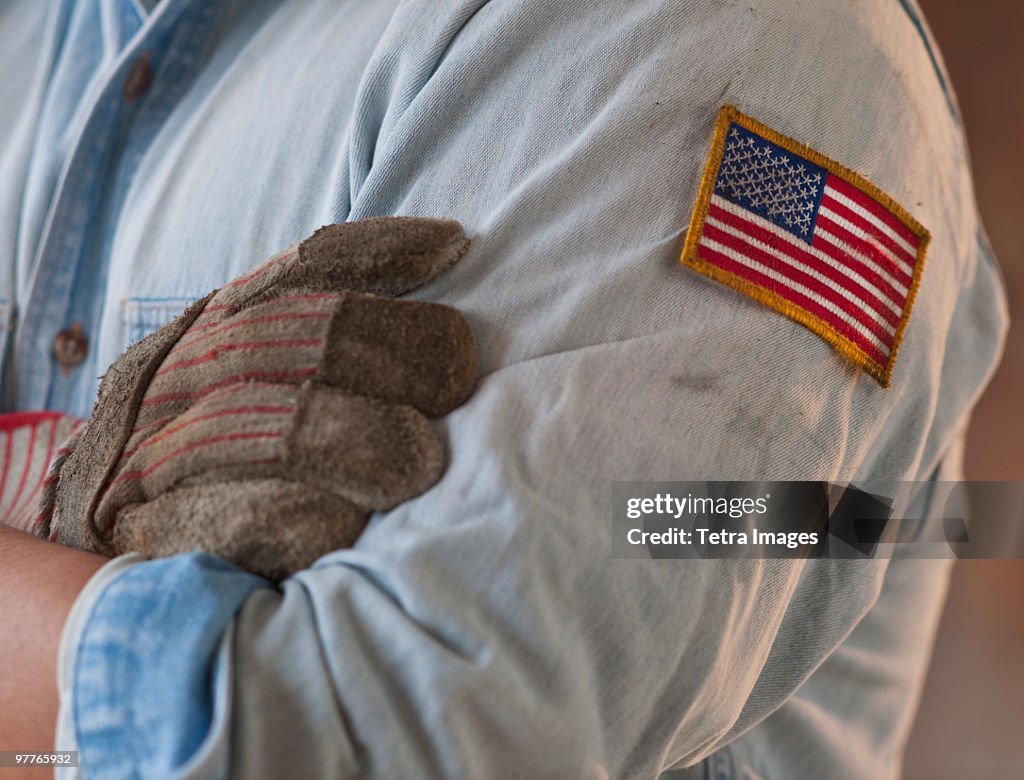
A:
(54, 359)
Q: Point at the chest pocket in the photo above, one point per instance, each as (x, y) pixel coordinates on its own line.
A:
(142, 316)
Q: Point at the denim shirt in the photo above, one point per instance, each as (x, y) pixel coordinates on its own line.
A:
(152, 151)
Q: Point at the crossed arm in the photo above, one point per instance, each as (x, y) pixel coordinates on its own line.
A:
(39, 582)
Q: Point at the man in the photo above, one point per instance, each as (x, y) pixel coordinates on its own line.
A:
(483, 630)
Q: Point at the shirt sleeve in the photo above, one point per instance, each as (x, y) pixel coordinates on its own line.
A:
(104, 667)
(483, 629)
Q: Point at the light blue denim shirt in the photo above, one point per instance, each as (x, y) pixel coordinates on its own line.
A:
(483, 629)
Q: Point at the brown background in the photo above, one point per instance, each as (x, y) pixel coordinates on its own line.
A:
(971, 722)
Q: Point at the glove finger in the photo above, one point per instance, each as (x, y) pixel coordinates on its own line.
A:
(370, 453)
(407, 352)
(374, 454)
(270, 527)
(382, 255)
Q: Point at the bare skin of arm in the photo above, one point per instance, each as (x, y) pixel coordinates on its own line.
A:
(39, 582)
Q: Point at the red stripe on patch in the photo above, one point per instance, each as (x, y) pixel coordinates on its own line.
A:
(899, 253)
(876, 209)
(791, 249)
(874, 252)
(747, 249)
(744, 272)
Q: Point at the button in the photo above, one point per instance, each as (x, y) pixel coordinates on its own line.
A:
(70, 348)
(138, 79)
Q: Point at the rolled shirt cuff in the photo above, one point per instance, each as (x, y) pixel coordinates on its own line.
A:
(142, 661)
(69, 640)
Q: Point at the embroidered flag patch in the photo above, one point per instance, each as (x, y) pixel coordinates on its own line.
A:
(791, 228)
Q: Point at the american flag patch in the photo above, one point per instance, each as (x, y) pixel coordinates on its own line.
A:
(789, 227)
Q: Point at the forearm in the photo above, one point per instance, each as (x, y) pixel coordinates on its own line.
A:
(39, 582)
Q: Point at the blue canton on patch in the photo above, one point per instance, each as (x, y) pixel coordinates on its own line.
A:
(764, 178)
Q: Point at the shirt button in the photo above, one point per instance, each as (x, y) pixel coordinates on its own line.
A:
(138, 79)
(70, 347)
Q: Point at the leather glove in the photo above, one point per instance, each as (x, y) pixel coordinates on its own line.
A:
(266, 422)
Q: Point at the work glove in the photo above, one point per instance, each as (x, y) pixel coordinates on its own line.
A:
(265, 423)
